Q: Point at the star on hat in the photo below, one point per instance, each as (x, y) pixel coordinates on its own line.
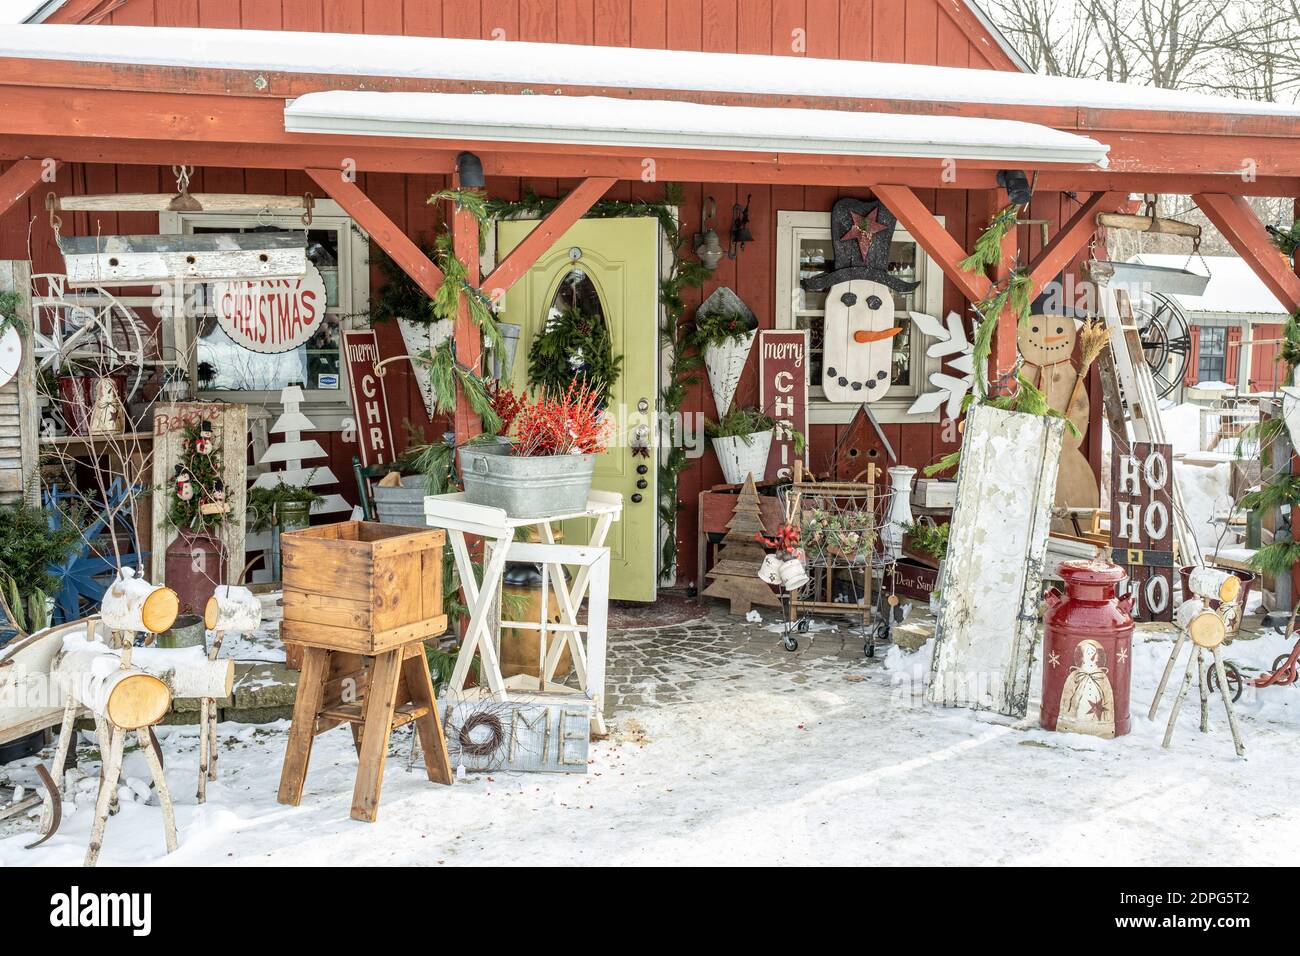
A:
(867, 236)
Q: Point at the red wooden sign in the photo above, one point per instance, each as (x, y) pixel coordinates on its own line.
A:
(369, 399)
(1142, 526)
(783, 394)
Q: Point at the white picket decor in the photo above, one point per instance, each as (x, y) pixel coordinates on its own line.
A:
(724, 363)
(739, 460)
(992, 577)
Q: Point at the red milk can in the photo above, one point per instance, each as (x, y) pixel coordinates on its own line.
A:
(1087, 652)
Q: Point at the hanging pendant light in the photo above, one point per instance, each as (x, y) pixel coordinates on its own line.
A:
(707, 245)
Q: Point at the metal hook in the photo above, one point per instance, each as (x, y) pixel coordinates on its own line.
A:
(308, 205)
(52, 206)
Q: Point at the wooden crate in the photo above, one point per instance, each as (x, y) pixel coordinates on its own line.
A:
(361, 586)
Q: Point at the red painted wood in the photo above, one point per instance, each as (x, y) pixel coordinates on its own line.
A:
(17, 181)
(921, 43)
(260, 15)
(461, 19)
(1193, 356)
(684, 20)
(525, 255)
(344, 16)
(465, 241)
(382, 17)
(933, 238)
(1232, 356)
(382, 229)
(650, 24)
(1265, 357)
(888, 30)
(613, 25)
(789, 28)
(303, 15)
(754, 26)
(575, 21)
(1069, 240)
(1234, 218)
(219, 14)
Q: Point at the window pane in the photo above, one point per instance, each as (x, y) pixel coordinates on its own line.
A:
(1211, 361)
(225, 366)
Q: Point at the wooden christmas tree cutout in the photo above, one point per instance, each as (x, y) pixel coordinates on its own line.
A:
(735, 576)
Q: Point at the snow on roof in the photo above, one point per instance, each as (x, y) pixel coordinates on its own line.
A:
(549, 66)
(1234, 287)
(605, 121)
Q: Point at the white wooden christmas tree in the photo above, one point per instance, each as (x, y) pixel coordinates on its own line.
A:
(291, 451)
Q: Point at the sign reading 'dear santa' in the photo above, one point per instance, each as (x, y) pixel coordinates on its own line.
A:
(860, 324)
(271, 315)
(369, 399)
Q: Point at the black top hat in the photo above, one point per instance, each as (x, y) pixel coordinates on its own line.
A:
(861, 232)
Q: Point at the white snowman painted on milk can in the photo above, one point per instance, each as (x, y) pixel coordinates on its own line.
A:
(858, 340)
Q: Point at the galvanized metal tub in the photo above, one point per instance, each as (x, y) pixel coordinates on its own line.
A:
(403, 505)
(526, 487)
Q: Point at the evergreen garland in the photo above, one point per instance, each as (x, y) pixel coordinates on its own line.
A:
(197, 481)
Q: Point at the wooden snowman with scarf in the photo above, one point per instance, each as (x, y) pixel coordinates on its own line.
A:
(860, 324)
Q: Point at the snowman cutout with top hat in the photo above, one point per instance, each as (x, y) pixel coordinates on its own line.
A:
(860, 326)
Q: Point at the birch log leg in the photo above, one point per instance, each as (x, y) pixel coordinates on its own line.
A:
(104, 733)
(201, 795)
(154, 760)
(1237, 742)
(66, 731)
(1178, 701)
(208, 727)
(1164, 678)
(107, 792)
(213, 652)
(1205, 689)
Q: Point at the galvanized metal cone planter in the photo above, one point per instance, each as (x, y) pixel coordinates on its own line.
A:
(419, 337)
(724, 362)
(739, 460)
(526, 487)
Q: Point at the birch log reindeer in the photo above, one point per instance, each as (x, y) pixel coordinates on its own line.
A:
(99, 676)
(234, 609)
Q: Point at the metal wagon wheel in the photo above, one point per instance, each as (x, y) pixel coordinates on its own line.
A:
(86, 326)
(1166, 340)
(1233, 676)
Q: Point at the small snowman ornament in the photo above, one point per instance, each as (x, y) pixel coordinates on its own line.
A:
(860, 324)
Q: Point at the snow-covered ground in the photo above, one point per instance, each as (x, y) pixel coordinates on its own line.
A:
(804, 760)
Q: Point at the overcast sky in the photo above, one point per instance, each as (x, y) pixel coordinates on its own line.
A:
(11, 11)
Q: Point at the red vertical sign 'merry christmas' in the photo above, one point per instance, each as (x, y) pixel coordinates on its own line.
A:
(783, 394)
(369, 399)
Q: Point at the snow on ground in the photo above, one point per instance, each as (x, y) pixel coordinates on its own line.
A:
(849, 766)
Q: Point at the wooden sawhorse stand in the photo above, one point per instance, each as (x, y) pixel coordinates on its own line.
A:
(374, 695)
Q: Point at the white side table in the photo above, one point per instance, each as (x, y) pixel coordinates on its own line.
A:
(590, 583)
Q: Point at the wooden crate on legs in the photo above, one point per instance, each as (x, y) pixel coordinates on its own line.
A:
(362, 598)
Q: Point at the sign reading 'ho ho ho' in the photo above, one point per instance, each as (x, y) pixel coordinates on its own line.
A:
(271, 315)
(1142, 526)
(783, 394)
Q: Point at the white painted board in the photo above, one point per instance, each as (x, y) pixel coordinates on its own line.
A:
(992, 577)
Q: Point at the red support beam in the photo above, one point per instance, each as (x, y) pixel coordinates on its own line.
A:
(18, 180)
(381, 229)
(1233, 217)
(538, 242)
(933, 238)
(1070, 239)
(469, 348)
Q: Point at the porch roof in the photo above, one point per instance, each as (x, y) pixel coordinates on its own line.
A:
(605, 121)
(551, 65)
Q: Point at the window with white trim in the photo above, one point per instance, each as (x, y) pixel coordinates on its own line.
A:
(225, 371)
(803, 250)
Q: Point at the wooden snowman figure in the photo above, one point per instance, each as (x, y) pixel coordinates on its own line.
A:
(860, 324)
(1047, 345)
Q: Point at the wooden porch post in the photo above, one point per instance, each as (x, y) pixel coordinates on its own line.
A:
(465, 238)
(18, 180)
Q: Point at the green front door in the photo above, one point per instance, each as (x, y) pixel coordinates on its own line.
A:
(614, 265)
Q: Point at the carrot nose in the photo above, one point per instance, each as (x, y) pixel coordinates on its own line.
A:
(863, 337)
(1053, 339)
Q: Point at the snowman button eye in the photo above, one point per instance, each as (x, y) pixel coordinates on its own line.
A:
(1034, 330)
(873, 302)
(848, 298)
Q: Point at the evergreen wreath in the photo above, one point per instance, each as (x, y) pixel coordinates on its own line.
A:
(574, 346)
(198, 491)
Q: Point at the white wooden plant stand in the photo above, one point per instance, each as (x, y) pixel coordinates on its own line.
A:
(590, 583)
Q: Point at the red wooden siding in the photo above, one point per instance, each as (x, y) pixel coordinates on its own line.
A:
(1265, 364)
(915, 31)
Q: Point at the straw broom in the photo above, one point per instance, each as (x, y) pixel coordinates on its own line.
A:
(1094, 338)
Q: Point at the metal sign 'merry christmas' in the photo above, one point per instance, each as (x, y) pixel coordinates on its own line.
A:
(271, 315)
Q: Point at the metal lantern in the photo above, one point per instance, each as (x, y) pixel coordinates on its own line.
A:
(707, 246)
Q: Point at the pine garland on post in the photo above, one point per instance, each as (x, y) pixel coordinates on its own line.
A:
(198, 490)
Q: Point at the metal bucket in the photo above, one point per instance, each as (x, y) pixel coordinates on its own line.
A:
(403, 505)
(526, 487)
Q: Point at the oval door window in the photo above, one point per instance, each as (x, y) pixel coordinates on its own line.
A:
(576, 341)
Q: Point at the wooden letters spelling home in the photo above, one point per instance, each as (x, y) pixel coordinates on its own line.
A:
(1142, 526)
